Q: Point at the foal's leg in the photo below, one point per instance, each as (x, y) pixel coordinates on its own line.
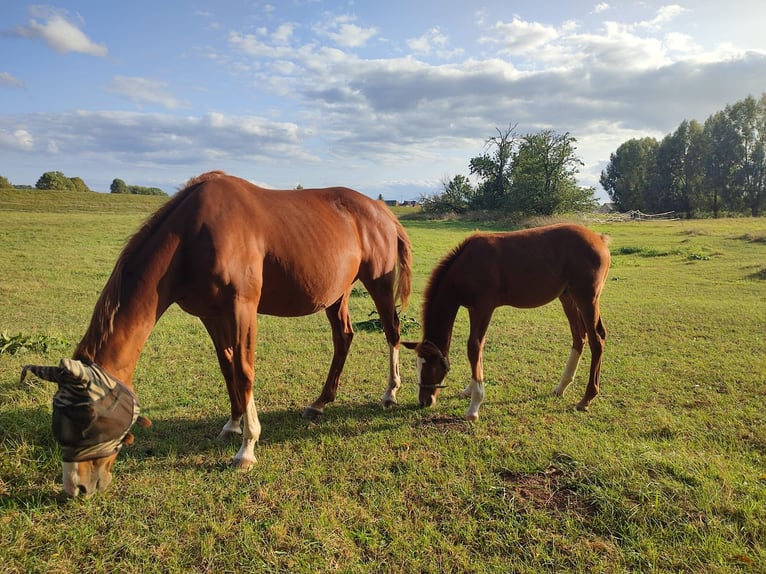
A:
(596, 339)
(479, 319)
(342, 334)
(577, 328)
(382, 293)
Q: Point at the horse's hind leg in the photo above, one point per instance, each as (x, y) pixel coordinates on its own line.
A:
(596, 339)
(577, 327)
(382, 293)
(342, 335)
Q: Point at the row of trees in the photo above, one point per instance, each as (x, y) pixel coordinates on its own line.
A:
(699, 169)
(57, 181)
(534, 174)
(119, 186)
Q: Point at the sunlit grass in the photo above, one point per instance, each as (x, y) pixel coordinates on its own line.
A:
(665, 474)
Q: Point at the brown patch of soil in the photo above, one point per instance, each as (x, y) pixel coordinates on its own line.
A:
(546, 490)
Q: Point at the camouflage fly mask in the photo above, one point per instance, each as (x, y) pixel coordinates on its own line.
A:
(92, 411)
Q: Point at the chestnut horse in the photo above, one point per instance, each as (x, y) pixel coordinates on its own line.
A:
(225, 250)
(525, 269)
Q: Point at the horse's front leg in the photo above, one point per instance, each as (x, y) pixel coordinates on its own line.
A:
(233, 336)
(475, 390)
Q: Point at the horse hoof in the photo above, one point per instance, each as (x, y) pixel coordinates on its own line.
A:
(583, 407)
(557, 392)
(472, 418)
(313, 414)
(388, 403)
(242, 464)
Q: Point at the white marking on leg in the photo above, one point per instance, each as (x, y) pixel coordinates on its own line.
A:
(570, 370)
(252, 432)
(231, 427)
(468, 390)
(394, 378)
(477, 396)
(419, 369)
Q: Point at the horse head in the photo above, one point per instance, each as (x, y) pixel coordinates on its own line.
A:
(432, 366)
(92, 416)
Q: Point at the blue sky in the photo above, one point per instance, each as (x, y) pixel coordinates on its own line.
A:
(390, 98)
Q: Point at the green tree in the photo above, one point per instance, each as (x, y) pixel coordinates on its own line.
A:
(141, 190)
(79, 184)
(628, 175)
(55, 180)
(5, 183)
(493, 170)
(456, 197)
(749, 120)
(680, 170)
(544, 176)
(118, 186)
(720, 160)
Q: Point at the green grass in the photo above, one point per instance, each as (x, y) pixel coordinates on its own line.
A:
(666, 473)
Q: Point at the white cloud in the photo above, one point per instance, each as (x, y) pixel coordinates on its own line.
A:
(665, 14)
(434, 41)
(519, 36)
(142, 91)
(601, 7)
(17, 140)
(343, 31)
(59, 32)
(10, 81)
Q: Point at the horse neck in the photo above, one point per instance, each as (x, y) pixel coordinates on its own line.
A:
(439, 316)
(132, 301)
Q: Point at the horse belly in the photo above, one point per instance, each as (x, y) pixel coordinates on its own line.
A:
(302, 291)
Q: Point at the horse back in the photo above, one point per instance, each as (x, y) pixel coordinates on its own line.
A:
(531, 267)
(296, 251)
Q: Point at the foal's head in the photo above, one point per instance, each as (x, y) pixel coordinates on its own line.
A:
(432, 367)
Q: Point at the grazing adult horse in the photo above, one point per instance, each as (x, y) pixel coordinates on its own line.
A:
(525, 269)
(225, 250)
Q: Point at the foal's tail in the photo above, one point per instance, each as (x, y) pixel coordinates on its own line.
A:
(404, 250)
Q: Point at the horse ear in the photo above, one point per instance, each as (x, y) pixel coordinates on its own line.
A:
(410, 344)
(143, 422)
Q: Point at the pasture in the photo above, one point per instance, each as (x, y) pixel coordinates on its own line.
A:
(666, 473)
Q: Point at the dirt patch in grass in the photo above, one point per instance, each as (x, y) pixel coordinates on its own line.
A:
(753, 237)
(547, 489)
(444, 423)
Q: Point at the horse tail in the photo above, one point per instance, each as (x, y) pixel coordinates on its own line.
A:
(404, 251)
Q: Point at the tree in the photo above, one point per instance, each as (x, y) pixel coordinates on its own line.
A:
(627, 176)
(118, 186)
(5, 183)
(544, 176)
(749, 121)
(494, 170)
(720, 159)
(79, 184)
(680, 170)
(456, 197)
(55, 180)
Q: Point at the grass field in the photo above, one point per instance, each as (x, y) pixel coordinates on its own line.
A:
(666, 473)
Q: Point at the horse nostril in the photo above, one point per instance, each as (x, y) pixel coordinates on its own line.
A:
(81, 489)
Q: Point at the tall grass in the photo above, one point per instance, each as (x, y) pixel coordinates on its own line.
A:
(665, 474)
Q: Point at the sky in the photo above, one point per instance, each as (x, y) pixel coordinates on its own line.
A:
(391, 98)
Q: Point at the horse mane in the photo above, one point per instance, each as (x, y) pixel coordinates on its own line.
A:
(439, 272)
(102, 321)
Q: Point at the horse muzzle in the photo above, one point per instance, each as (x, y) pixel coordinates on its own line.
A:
(85, 478)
